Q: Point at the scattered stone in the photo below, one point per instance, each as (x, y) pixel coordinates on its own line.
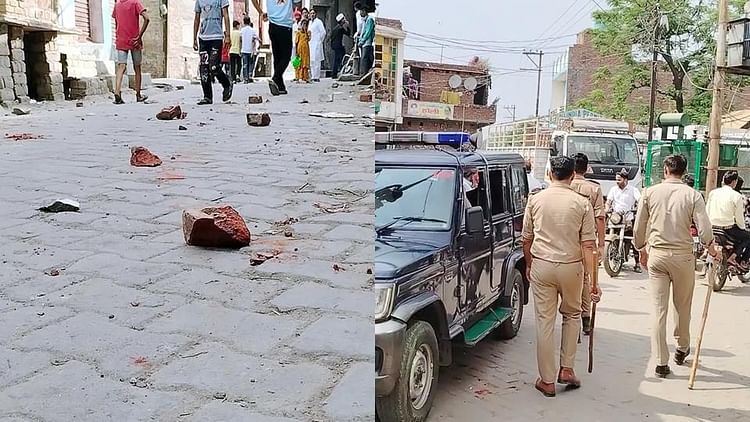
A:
(139, 382)
(304, 101)
(262, 257)
(40, 313)
(201, 124)
(171, 113)
(326, 98)
(335, 85)
(111, 316)
(329, 149)
(22, 136)
(21, 111)
(369, 271)
(220, 395)
(53, 272)
(338, 268)
(180, 87)
(62, 205)
(79, 104)
(182, 127)
(333, 115)
(217, 227)
(255, 99)
(142, 157)
(365, 98)
(332, 209)
(288, 233)
(258, 119)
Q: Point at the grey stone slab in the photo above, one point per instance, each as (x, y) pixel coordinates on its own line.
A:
(342, 335)
(127, 246)
(313, 295)
(116, 349)
(12, 274)
(327, 249)
(222, 411)
(312, 229)
(354, 277)
(264, 213)
(348, 231)
(16, 364)
(40, 286)
(243, 200)
(289, 386)
(123, 271)
(347, 217)
(71, 218)
(75, 392)
(21, 319)
(225, 261)
(39, 257)
(129, 227)
(129, 306)
(353, 398)
(241, 292)
(365, 255)
(249, 331)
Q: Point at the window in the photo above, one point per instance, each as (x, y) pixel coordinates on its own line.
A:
(89, 20)
(520, 188)
(499, 191)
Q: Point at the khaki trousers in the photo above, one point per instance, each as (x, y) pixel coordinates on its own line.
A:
(676, 270)
(586, 298)
(550, 281)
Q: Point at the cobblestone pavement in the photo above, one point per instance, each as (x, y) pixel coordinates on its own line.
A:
(495, 380)
(138, 326)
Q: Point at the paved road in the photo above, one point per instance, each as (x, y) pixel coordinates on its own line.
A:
(495, 380)
(138, 326)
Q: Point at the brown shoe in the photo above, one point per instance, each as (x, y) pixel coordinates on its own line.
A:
(547, 389)
(568, 377)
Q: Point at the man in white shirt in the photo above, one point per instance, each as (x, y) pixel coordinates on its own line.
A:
(249, 46)
(622, 199)
(726, 210)
(318, 31)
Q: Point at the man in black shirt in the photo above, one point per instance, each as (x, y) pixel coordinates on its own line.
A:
(337, 42)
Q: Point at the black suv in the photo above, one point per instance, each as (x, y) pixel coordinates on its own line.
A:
(448, 265)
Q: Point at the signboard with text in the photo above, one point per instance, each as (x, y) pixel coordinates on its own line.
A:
(428, 110)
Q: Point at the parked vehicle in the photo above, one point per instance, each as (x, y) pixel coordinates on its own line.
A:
(614, 243)
(449, 265)
(719, 269)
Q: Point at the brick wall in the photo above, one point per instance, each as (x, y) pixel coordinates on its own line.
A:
(37, 12)
(433, 82)
(153, 40)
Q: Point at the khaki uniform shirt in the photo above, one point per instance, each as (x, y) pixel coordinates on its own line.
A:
(558, 219)
(592, 191)
(664, 216)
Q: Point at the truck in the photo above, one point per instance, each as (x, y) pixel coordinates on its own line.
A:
(609, 145)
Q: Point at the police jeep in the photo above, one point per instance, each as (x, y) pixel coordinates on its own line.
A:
(449, 264)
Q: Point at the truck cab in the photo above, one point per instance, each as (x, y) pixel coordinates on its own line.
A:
(448, 261)
(609, 145)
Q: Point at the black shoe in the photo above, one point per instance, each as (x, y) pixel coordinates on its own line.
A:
(141, 98)
(205, 101)
(273, 87)
(662, 371)
(586, 325)
(283, 91)
(637, 269)
(118, 99)
(679, 356)
(227, 94)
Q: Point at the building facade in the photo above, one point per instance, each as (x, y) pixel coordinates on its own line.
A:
(446, 97)
(389, 73)
(53, 49)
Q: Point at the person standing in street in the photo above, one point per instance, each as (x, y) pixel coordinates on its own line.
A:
(210, 36)
(302, 43)
(591, 190)
(622, 199)
(366, 42)
(250, 41)
(726, 211)
(317, 37)
(129, 40)
(295, 28)
(280, 31)
(235, 53)
(662, 235)
(558, 248)
(337, 43)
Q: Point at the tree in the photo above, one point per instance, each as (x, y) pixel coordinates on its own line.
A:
(685, 47)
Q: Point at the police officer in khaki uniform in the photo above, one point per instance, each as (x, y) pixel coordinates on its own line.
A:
(591, 190)
(558, 236)
(662, 234)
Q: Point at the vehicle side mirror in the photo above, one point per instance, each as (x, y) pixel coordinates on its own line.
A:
(474, 220)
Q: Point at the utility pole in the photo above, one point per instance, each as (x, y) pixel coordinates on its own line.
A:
(512, 109)
(661, 20)
(538, 69)
(714, 131)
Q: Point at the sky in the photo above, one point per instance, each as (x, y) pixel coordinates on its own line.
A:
(503, 29)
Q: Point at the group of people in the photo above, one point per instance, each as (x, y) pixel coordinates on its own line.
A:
(560, 244)
(227, 53)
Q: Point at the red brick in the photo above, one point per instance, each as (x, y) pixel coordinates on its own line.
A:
(258, 119)
(142, 157)
(215, 227)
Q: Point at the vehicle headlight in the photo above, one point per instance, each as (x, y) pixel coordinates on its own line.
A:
(615, 218)
(383, 301)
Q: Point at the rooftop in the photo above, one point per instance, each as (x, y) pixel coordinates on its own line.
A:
(446, 67)
(391, 23)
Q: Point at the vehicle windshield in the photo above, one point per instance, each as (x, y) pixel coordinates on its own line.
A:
(605, 149)
(414, 198)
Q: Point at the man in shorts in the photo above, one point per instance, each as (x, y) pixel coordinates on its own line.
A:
(129, 40)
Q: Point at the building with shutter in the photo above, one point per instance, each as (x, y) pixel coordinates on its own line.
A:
(53, 49)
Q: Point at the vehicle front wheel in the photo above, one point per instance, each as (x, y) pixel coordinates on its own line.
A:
(411, 398)
(612, 259)
(509, 328)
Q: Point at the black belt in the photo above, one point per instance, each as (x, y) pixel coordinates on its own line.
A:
(723, 227)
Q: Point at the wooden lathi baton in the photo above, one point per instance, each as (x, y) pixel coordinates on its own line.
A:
(594, 285)
(711, 277)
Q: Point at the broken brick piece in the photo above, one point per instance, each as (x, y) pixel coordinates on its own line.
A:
(171, 113)
(255, 99)
(365, 98)
(215, 227)
(142, 157)
(258, 119)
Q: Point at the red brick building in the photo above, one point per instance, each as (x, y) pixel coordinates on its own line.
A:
(432, 104)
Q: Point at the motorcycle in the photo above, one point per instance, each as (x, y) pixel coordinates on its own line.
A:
(614, 241)
(698, 249)
(719, 269)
